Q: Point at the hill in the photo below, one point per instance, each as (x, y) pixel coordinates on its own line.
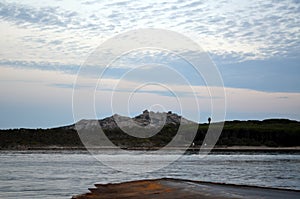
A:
(270, 132)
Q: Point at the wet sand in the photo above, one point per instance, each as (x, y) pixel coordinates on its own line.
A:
(167, 188)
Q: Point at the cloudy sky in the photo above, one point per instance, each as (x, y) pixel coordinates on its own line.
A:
(255, 46)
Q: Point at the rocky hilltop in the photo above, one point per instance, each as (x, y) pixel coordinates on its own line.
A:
(148, 120)
(149, 129)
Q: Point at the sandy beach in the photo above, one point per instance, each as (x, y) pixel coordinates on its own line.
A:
(167, 188)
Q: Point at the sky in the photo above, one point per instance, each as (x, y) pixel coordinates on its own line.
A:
(254, 45)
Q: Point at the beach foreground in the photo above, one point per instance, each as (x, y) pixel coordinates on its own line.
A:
(175, 188)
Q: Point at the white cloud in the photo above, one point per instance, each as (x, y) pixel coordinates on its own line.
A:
(70, 30)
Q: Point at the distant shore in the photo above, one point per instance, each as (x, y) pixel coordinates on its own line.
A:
(215, 149)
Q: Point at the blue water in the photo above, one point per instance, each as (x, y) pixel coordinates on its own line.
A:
(61, 174)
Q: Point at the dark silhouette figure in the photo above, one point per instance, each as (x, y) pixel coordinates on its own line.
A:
(209, 119)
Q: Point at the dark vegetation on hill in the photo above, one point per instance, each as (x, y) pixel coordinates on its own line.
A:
(271, 132)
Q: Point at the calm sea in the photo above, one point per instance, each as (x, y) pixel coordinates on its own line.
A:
(61, 174)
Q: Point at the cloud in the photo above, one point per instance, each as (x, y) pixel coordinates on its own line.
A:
(244, 30)
(255, 44)
(278, 75)
(283, 97)
(259, 24)
(27, 16)
(52, 90)
(44, 66)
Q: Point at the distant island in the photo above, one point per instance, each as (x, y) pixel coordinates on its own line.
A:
(251, 133)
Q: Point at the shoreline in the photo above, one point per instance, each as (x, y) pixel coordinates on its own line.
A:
(181, 188)
(191, 149)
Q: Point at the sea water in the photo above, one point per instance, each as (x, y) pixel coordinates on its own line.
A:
(61, 174)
